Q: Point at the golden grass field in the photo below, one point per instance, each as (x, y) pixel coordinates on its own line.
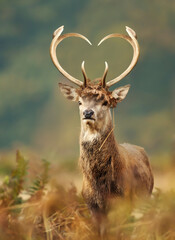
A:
(40, 201)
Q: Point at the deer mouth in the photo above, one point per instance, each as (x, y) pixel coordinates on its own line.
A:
(89, 118)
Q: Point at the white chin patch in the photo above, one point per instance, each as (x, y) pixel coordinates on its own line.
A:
(89, 122)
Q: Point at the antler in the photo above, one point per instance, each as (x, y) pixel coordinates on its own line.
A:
(84, 74)
(57, 38)
(133, 41)
(104, 75)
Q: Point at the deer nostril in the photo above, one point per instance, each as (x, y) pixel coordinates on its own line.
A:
(88, 113)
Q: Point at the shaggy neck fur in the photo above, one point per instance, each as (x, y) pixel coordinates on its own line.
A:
(98, 164)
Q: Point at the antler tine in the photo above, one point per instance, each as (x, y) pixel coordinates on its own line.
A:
(57, 38)
(133, 41)
(58, 31)
(104, 75)
(84, 74)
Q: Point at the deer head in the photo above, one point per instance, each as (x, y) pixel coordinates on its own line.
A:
(94, 97)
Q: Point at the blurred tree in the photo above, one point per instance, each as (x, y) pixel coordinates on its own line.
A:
(29, 104)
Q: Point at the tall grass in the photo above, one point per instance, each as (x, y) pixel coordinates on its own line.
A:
(42, 211)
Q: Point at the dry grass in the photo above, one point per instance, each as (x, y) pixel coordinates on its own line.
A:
(46, 211)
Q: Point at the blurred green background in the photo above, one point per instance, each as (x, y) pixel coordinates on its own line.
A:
(33, 113)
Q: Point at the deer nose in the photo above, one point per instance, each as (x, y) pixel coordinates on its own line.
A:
(88, 113)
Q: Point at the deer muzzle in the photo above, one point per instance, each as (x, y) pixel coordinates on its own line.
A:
(88, 114)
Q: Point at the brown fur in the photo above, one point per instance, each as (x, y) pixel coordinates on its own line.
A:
(95, 89)
(115, 170)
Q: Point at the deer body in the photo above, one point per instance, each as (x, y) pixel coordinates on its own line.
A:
(109, 169)
(117, 170)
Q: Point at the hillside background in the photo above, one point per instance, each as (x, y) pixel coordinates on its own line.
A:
(33, 113)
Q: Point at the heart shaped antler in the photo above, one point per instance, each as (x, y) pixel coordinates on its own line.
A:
(133, 41)
(57, 38)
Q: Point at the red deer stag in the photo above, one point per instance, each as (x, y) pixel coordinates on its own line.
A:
(109, 169)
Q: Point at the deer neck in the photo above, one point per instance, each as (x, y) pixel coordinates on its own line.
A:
(99, 156)
(98, 137)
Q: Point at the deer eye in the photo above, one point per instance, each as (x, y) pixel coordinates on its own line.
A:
(105, 103)
(79, 103)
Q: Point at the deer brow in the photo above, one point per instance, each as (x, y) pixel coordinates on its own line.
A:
(97, 97)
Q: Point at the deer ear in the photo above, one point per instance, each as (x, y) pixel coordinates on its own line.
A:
(120, 93)
(69, 92)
